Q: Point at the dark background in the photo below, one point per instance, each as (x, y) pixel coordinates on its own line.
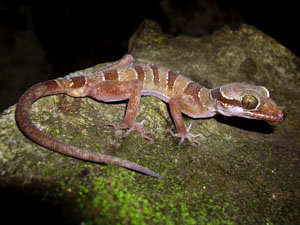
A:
(41, 40)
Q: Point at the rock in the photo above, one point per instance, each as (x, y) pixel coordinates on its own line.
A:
(244, 172)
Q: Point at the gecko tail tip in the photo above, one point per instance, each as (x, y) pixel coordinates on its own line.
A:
(153, 174)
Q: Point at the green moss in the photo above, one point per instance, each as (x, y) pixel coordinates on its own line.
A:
(159, 39)
(244, 172)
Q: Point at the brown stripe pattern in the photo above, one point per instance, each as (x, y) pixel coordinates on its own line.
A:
(216, 94)
(155, 74)
(171, 79)
(140, 72)
(78, 82)
(111, 75)
(193, 89)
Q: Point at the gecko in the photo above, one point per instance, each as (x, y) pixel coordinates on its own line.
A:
(122, 80)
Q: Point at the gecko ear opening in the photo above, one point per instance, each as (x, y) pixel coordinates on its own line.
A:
(250, 102)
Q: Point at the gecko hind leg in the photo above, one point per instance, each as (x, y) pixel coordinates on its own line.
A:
(139, 127)
(113, 91)
(125, 61)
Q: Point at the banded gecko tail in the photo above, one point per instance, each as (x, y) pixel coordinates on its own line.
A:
(31, 131)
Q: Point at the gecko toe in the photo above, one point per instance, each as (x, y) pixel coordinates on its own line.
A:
(186, 135)
(139, 127)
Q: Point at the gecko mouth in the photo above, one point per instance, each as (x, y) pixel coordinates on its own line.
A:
(273, 118)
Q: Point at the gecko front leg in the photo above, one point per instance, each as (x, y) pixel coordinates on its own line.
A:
(175, 108)
(109, 91)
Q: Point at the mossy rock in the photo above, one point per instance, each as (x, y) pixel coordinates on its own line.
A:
(244, 172)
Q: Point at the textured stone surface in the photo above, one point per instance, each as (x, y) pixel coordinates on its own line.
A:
(244, 172)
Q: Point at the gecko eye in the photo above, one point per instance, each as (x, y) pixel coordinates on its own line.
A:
(249, 102)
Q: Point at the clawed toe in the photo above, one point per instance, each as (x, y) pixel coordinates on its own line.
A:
(139, 127)
(116, 126)
(186, 135)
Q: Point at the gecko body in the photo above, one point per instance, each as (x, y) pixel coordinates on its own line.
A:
(123, 80)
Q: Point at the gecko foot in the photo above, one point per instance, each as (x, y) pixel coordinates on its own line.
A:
(139, 127)
(187, 135)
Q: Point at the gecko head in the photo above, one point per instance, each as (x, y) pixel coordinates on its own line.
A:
(247, 101)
